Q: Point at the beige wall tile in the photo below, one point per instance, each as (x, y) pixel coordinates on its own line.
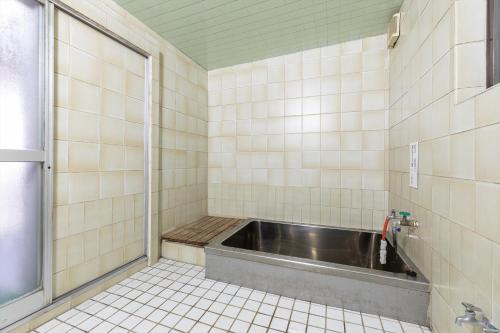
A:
(486, 111)
(83, 37)
(111, 184)
(112, 157)
(487, 210)
(113, 104)
(84, 96)
(112, 131)
(462, 203)
(113, 78)
(462, 155)
(83, 127)
(85, 67)
(134, 86)
(83, 187)
(487, 153)
(83, 157)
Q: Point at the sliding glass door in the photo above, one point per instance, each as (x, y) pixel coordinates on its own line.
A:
(24, 159)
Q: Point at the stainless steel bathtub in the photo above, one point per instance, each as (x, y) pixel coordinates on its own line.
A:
(336, 266)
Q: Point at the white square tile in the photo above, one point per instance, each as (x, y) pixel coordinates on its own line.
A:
(118, 317)
(279, 324)
(89, 323)
(271, 299)
(170, 320)
(68, 314)
(240, 326)
(318, 309)
(372, 321)
(224, 298)
(155, 302)
(178, 296)
(317, 321)
(352, 317)
(230, 289)
(209, 318)
(238, 301)
(257, 295)
(224, 322)
(266, 309)
(157, 315)
(353, 328)
(132, 307)
(296, 327)
(217, 307)
(144, 326)
(372, 330)
(251, 305)
(94, 308)
(144, 311)
(61, 328)
(246, 315)
(257, 329)
(411, 328)
(283, 313)
(181, 309)
(159, 329)
(48, 326)
(231, 311)
(262, 320)
(78, 318)
(204, 304)
(244, 292)
(216, 330)
(334, 325)
(168, 305)
(286, 302)
(391, 325)
(301, 306)
(185, 325)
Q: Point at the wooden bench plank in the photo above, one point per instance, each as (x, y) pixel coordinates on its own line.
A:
(200, 232)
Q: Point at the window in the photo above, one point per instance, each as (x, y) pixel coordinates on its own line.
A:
(493, 43)
(24, 176)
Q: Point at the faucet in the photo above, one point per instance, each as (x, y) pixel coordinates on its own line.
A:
(470, 317)
(398, 221)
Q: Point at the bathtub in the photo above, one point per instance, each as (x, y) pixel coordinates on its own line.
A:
(335, 266)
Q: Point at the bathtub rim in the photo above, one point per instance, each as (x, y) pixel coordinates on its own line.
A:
(400, 280)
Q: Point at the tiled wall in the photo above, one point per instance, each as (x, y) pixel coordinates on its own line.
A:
(183, 140)
(99, 132)
(302, 137)
(438, 64)
(99, 154)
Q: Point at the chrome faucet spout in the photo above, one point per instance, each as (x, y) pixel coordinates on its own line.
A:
(467, 319)
(470, 317)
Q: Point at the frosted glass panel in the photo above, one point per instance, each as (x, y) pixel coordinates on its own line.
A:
(20, 74)
(20, 229)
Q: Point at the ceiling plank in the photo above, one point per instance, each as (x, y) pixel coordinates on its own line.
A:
(220, 33)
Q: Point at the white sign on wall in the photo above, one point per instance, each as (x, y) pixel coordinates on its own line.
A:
(414, 165)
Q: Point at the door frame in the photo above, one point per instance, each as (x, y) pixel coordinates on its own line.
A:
(26, 304)
(148, 109)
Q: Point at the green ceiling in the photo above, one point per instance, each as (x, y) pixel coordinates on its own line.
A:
(219, 33)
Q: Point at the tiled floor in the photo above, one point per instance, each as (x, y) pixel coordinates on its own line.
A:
(175, 297)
